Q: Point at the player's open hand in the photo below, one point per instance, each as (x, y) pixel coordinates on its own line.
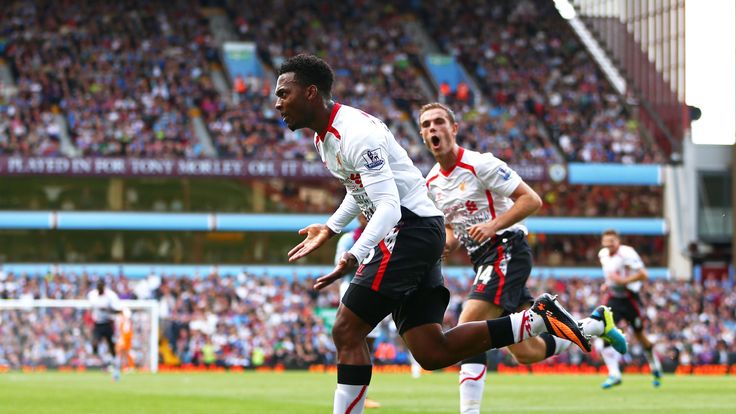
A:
(347, 263)
(482, 231)
(316, 234)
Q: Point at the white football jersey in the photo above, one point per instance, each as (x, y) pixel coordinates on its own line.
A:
(360, 150)
(475, 190)
(104, 306)
(625, 262)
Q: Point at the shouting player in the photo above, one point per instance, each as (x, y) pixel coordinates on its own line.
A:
(400, 249)
(484, 202)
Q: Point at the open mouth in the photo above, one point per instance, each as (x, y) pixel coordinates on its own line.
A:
(435, 141)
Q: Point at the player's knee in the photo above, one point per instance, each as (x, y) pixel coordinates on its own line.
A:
(430, 360)
(345, 335)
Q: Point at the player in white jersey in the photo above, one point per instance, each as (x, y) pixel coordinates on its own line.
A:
(625, 273)
(400, 249)
(484, 202)
(105, 305)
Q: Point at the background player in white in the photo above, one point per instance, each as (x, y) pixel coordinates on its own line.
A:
(400, 249)
(105, 304)
(625, 273)
(484, 202)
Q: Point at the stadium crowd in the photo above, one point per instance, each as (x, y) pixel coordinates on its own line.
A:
(129, 78)
(374, 59)
(249, 320)
(533, 64)
(559, 199)
(124, 74)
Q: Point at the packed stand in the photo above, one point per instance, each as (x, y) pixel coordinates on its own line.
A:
(28, 122)
(126, 74)
(249, 320)
(244, 320)
(581, 250)
(374, 59)
(559, 199)
(529, 62)
(564, 200)
(59, 336)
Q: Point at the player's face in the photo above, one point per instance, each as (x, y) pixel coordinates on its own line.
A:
(438, 131)
(292, 102)
(610, 242)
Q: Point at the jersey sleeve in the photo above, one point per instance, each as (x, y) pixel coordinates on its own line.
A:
(368, 154)
(496, 175)
(632, 260)
(385, 195)
(344, 214)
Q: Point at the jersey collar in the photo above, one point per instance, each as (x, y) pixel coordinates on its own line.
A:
(330, 128)
(460, 153)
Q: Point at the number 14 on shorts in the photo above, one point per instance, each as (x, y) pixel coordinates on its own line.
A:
(484, 275)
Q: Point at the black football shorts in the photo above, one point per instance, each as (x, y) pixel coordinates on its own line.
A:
(402, 276)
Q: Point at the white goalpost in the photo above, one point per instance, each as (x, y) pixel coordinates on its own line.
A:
(19, 330)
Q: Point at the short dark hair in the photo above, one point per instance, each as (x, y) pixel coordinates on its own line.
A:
(611, 232)
(310, 70)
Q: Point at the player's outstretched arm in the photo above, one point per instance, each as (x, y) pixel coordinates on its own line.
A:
(317, 235)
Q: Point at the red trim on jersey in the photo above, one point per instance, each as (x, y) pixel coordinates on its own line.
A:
(432, 178)
(459, 163)
(474, 378)
(467, 167)
(334, 132)
(330, 128)
(501, 276)
(489, 196)
(382, 267)
(355, 401)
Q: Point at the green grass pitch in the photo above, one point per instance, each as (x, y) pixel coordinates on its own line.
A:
(302, 392)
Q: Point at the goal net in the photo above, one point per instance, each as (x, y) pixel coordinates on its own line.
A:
(57, 334)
